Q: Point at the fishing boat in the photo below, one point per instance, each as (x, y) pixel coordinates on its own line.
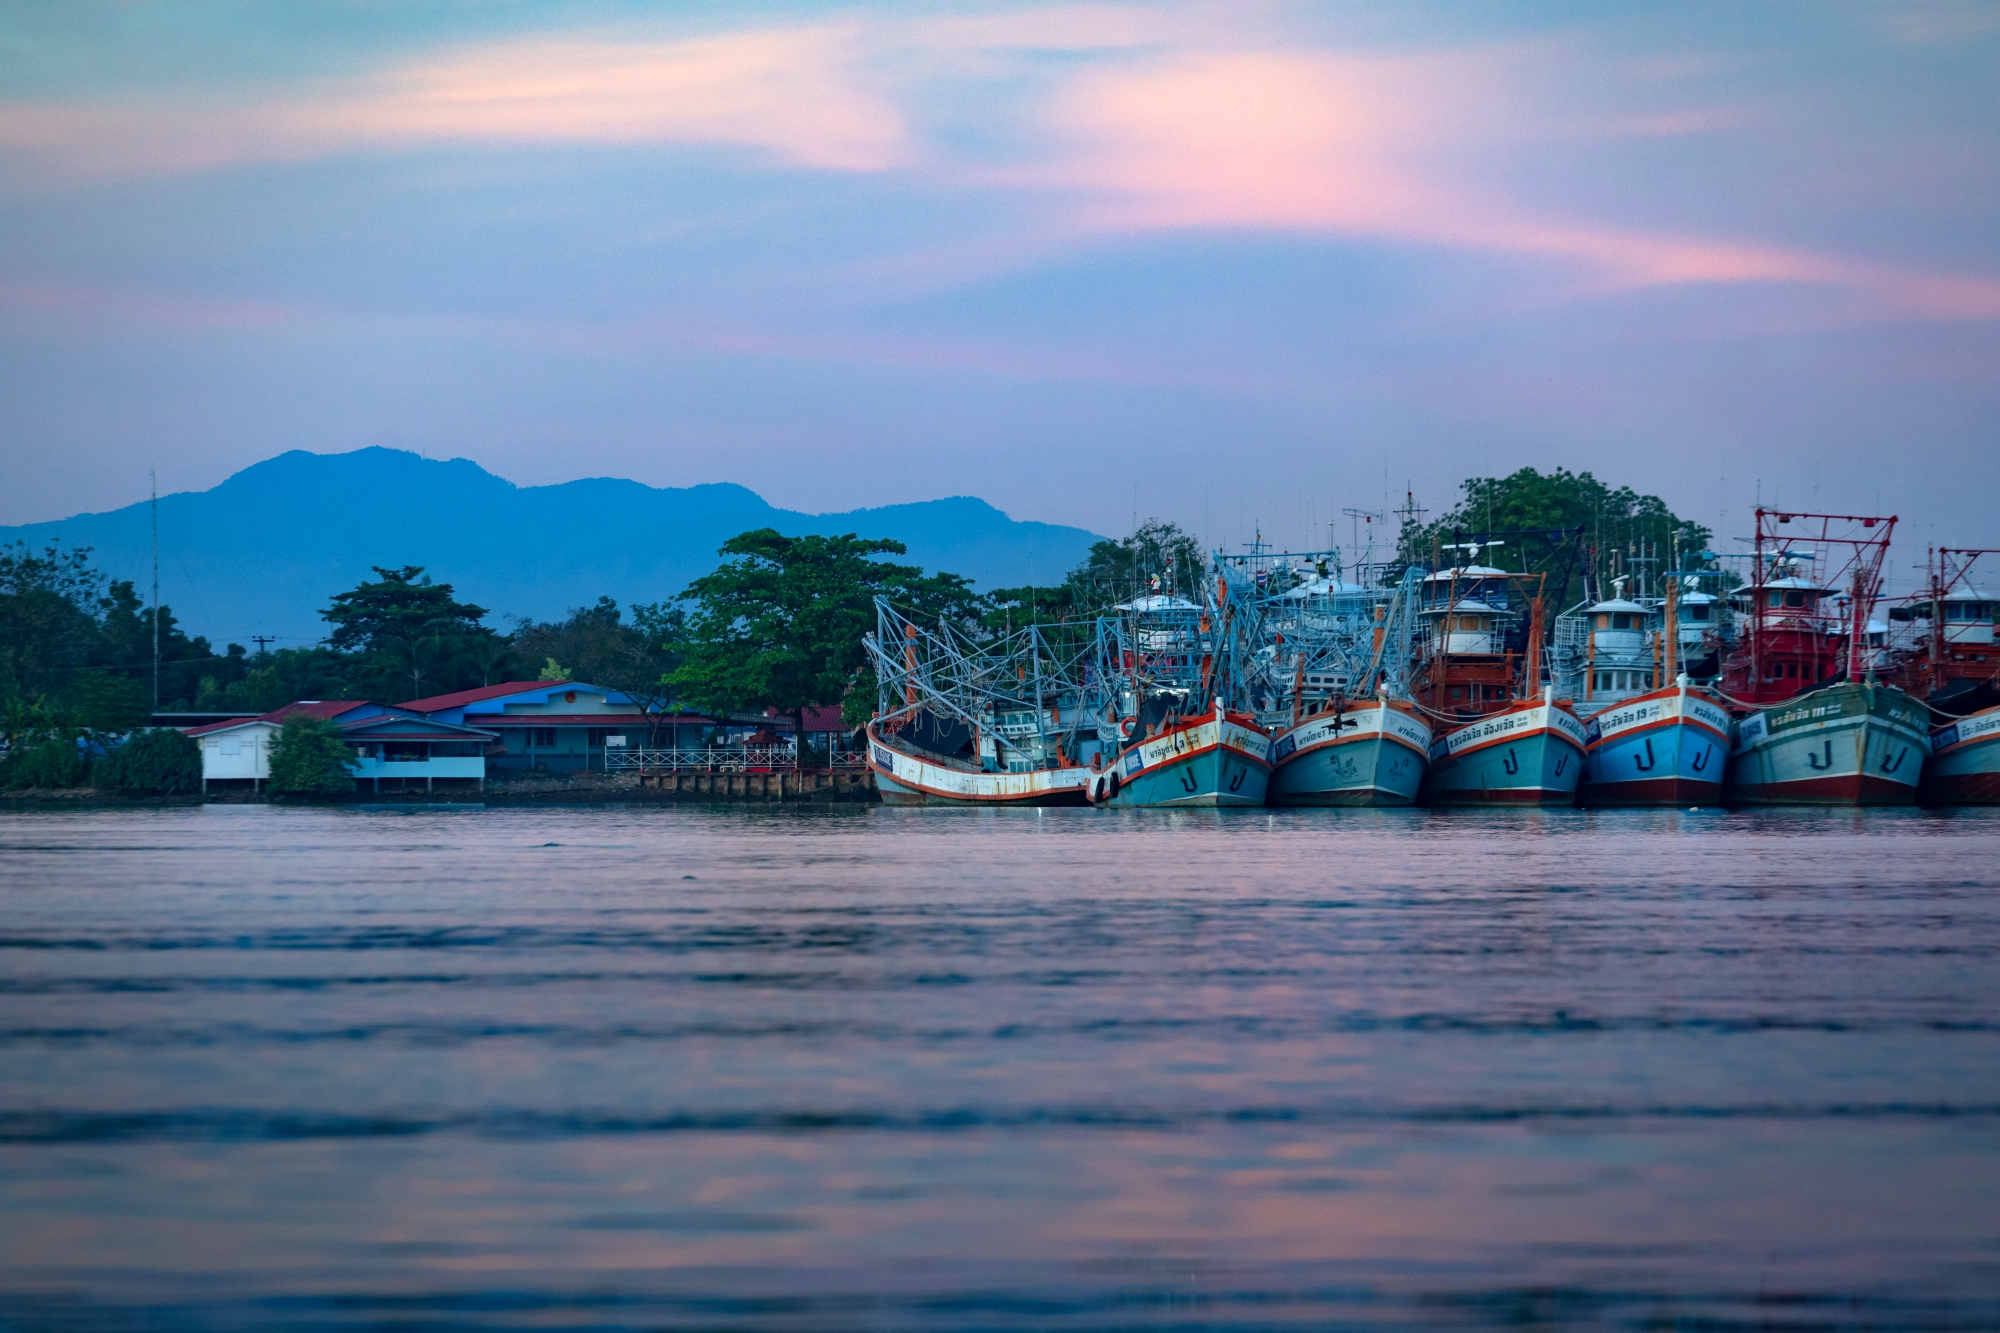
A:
(1814, 724)
(906, 774)
(1165, 667)
(1664, 747)
(1218, 758)
(1528, 753)
(1954, 667)
(969, 723)
(1337, 747)
(1510, 740)
(1645, 743)
(1325, 646)
(1360, 752)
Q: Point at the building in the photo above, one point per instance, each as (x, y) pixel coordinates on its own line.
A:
(563, 726)
(567, 726)
(394, 748)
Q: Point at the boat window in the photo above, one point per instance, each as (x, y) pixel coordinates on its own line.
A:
(1621, 621)
(1773, 598)
(1794, 597)
(1697, 613)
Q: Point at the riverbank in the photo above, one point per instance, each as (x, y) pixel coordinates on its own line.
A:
(573, 788)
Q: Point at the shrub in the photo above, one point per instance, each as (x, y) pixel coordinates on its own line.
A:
(310, 758)
(159, 760)
(45, 763)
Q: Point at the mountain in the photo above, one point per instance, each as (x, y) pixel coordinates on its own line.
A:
(262, 552)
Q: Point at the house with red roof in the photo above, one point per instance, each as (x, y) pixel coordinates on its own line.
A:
(560, 726)
(568, 726)
(394, 749)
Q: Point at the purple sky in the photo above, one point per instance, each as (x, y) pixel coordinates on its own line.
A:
(1222, 264)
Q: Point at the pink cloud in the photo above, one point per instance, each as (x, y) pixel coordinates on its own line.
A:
(791, 92)
(1359, 147)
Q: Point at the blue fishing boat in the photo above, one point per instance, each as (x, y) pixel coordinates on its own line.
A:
(1530, 753)
(1964, 767)
(1369, 752)
(1665, 747)
(1211, 759)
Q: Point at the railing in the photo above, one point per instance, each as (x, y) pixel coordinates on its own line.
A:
(727, 759)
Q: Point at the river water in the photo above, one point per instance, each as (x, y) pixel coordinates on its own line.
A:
(858, 1067)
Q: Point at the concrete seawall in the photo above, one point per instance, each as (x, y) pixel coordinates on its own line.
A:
(775, 786)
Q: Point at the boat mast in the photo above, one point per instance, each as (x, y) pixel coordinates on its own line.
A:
(154, 476)
(1670, 633)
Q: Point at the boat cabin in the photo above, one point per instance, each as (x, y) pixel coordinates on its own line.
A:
(1969, 615)
(1466, 610)
(1794, 639)
(1786, 599)
(1618, 661)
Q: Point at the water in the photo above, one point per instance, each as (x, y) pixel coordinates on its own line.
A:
(871, 1068)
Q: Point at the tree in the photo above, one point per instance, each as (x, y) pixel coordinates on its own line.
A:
(403, 630)
(780, 626)
(1615, 525)
(48, 618)
(403, 604)
(67, 636)
(310, 758)
(284, 676)
(599, 646)
(156, 761)
(1159, 557)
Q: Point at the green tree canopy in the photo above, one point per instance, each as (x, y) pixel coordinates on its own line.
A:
(153, 761)
(310, 757)
(1159, 557)
(780, 625)
(1158, 553)
(69, 636)
(402, 605)
(406, 630)
(1614, 526)
(598, 645)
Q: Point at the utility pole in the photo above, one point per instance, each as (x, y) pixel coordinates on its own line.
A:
(260, 640)
(154, 474)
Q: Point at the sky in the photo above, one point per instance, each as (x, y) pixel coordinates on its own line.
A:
(1240, 266)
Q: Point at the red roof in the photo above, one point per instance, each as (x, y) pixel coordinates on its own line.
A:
(310, 707)
(825, 719)
(439, 702)
(491, 721)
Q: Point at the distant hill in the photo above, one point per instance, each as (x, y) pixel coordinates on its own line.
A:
(262, 552)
